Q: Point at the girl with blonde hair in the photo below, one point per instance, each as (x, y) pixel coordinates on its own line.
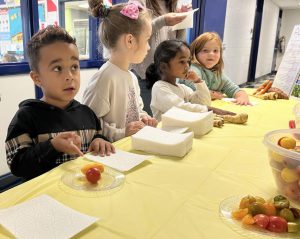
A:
(207, 62)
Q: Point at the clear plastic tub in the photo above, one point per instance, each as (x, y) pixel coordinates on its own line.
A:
(285, 163)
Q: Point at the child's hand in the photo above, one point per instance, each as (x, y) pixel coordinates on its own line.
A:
(192, 76)
(172, 19)
(101, 147)
(241, 98)
(133, 127)
(216, 95)
(147, 120)
(184, 8)
(67, 142)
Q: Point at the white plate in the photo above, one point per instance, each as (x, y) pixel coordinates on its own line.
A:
(249, 231)
(110, 179)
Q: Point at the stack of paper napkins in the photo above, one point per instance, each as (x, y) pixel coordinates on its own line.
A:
(154, 140)
(199, 123)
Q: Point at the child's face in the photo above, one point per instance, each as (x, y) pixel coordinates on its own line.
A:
(209, 55)
(58, 74)
(142, 47)
(180, 64)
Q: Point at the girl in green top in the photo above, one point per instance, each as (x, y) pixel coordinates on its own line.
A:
(208, 63)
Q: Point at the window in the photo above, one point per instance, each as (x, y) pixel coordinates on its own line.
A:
(20, 19)
(11, 35)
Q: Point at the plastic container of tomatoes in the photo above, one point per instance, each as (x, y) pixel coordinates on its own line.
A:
(285, 162)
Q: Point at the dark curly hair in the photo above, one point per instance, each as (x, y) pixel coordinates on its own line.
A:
(44, 37)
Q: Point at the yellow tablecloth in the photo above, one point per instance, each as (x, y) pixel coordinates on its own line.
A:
(175, 198)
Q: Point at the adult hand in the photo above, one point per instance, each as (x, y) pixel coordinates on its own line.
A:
(67, 142)
(172, 18)
(147, 120)
(133, 127)
(101, 147)
(184, 8)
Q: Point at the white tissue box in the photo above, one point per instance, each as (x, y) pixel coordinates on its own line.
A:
(199, 123)
(157, 141)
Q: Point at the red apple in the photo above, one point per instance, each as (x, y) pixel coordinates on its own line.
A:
(93, 175)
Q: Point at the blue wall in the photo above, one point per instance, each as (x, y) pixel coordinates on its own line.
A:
(214, 16)
(210, 17)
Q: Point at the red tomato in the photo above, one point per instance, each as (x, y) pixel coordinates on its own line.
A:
(261, 220)
(292, 124)
(93, 175)
(277, 224)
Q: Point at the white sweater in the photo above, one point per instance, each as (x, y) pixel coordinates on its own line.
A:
(166, 95)
(108, 93)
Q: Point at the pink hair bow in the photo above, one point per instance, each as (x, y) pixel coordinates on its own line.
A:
(132, 10)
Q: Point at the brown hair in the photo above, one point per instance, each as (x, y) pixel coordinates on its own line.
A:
(114, 24)
(198, 44)
(154, 6)
(45, 37)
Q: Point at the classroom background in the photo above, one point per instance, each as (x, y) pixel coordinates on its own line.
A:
(254, 34)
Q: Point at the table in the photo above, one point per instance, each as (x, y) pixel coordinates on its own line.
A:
(175, 198)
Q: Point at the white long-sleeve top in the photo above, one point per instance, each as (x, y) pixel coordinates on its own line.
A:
(166, 95)
(114, 95)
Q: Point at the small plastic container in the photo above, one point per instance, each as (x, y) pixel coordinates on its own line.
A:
(285, 163)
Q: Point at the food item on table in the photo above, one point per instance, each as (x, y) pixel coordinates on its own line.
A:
(93, 175)
(274, 215)
(267, 96)
(287, 142)
(261, 220)
(92, 172)
(293, 227)
(292, 124)
(235, 119)
(277, 224)
(280, 93)
(86, 167)
(264, 90)
(289, 175)
(218, 121)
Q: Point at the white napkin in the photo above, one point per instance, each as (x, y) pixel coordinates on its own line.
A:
(154, 140)
(199, 123)
(121, 160)
(44, 217)
(187, 22)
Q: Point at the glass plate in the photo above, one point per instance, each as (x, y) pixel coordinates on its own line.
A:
(110, 179)
(249, 231)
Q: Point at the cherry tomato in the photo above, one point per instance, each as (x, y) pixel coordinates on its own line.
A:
(277, 224)
(93, 175)
(261, 220)
(292, 124)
